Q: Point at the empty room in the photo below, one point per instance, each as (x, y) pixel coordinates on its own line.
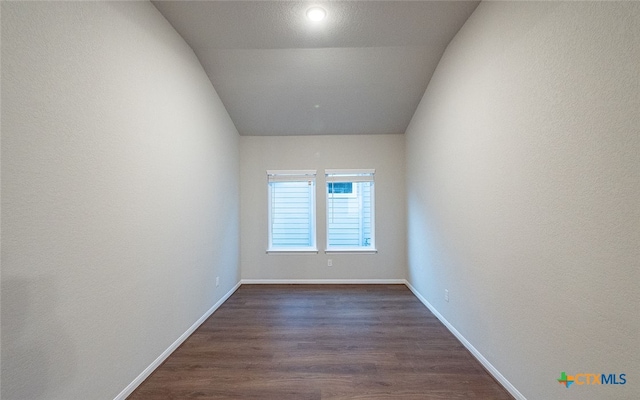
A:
(320, 200)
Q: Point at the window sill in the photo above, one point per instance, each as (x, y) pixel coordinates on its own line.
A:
(292, 251)
(351, 251)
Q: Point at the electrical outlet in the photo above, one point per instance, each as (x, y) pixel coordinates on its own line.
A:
(329, 263)
(217, 281)
(446, 295)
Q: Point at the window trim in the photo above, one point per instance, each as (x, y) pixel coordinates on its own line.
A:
(350, 175)
(292, 176)
(351, 250)
(292, 251)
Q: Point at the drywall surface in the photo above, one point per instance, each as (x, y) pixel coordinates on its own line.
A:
(384, 153)
(523, 166)
(119, 196)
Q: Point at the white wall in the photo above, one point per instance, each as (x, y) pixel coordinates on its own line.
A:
(119, 196)
(523, 164)
(385, 153)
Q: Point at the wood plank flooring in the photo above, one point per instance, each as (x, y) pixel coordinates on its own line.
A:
(321, 342)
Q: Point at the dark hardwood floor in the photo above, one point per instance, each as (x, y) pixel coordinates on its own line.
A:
(321, 342)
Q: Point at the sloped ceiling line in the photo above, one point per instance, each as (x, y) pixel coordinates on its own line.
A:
(362, 70)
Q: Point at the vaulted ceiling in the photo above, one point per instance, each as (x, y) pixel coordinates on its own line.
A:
(361, 70)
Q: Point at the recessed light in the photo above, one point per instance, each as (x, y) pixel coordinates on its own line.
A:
(316, 14)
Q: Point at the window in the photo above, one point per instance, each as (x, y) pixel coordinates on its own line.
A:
(350, 210)
(292, 217)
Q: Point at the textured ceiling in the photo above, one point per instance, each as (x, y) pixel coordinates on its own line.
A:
(362, 70)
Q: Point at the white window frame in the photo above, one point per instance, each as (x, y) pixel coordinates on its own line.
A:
(351, 175)
(292, 176)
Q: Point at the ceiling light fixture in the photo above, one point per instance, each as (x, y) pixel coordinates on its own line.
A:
(316, 14)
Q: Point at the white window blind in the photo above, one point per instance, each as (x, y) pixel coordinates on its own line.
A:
(292, 210)
(350, 210)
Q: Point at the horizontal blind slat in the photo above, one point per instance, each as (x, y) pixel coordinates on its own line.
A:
(291, 213)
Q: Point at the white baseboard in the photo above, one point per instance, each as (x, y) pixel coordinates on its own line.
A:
(487, 365)
(155, 364)
(323, 281)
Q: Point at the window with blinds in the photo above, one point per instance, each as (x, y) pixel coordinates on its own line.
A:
(350, 210)
(292, 210)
